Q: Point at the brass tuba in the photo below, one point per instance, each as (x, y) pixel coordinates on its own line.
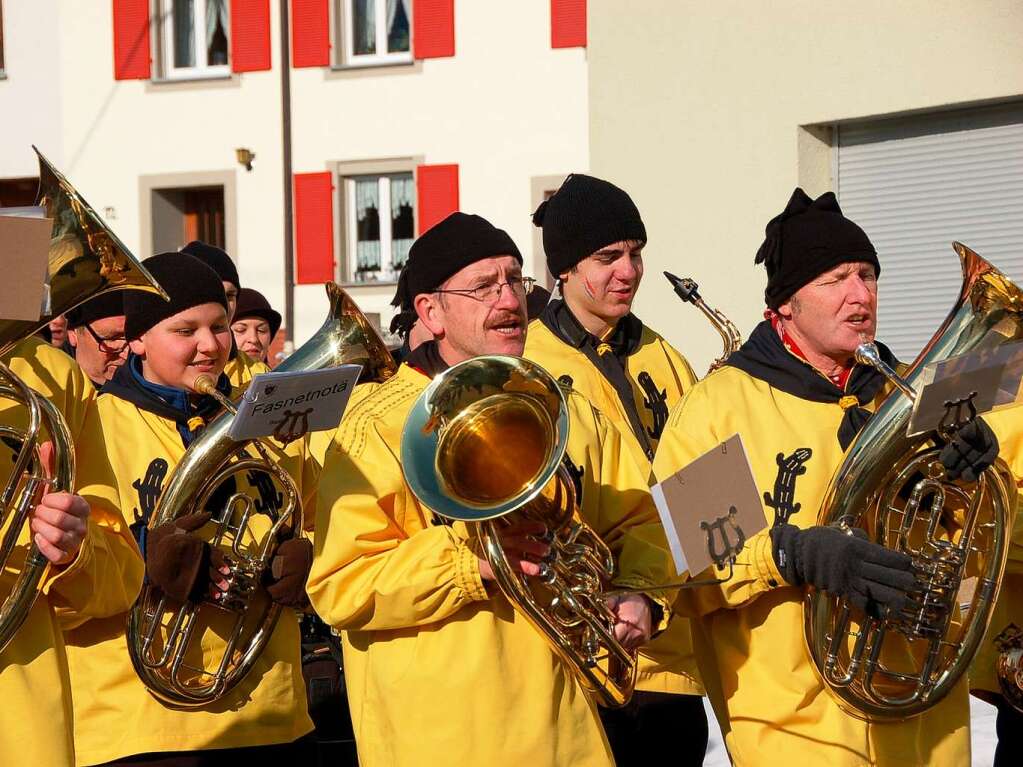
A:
(1009, 669)
(687, 289)
(893, 486)
(85, 260)
(161, 632)
(485, 442)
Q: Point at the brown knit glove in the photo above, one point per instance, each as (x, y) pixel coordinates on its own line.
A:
(289, 570)
(180, 563)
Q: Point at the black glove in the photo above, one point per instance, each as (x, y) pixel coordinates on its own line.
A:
(179, 563)
(289, 570)
(973, 449)
(871, 576)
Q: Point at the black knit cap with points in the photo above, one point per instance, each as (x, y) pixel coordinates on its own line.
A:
(442, 250)
(100, 308)
(583, 216)
(807, 239)
(216, 259)
(188, 282)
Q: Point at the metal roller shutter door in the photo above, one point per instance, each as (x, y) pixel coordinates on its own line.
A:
(917, 184)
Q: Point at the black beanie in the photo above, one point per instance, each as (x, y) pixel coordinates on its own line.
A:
(107, 305)
(807, 239)
(252, 303)
(456, 242)
(583, 216)
(215, 259)
(188, 282)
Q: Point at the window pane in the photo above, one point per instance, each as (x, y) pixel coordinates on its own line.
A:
(397, 26)
(402, 233)
(364, 26)
(216, 32)
(183, 30)
(367, 227)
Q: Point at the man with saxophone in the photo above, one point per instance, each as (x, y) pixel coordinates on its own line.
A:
(94, 566)
(589, 339)
(440, 667)
(797, 398)
(151, 415)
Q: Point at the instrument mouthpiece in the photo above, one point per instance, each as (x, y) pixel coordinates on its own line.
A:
(204, 384)
(686, 288)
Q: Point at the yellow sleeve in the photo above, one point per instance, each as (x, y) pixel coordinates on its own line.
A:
(106, 575)
(379, 565)
(684, 371)
(689, 434)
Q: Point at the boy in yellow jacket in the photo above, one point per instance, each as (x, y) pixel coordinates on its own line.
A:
(797, 398)
(589, 339)
(95, 568)
(150, 417)
(440, 668)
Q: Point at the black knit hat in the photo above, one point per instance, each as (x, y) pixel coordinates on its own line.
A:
(456, 242)
(807, 239)
(188, 282)
(215, 259)
(252, 303)
(99, 308)
(583, 216)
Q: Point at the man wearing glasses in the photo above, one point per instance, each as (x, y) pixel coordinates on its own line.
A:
(96, 333)
(440, 668)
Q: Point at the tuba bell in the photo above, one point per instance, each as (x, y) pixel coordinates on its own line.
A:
(163, 635)
(85, 260)
(485, 443)
(893, 486)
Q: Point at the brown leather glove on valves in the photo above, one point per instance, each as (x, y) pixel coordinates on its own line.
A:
(289, 570)
(180, 563)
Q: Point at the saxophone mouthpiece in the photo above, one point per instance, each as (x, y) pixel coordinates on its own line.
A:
(204, 384)
(686, 288)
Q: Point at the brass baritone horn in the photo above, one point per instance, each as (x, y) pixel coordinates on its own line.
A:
(485, 443)
(85, 260)
(163, 636)
(687, 289)
(893, 486)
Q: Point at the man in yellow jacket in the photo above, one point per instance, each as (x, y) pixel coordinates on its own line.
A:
(796, 397)
(440, 668)
(95, 568)
(150, 416)
(593, 237)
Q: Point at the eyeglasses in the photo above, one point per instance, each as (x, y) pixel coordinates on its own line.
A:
(107, 345)
(491, 294)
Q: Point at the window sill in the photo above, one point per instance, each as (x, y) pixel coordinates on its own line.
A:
(380, 284)
(408, 65)
(196, 78)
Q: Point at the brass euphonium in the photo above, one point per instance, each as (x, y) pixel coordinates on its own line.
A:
(893, 486)
(687, 289)
(484, 444)
(85, 260)
(1009, 670)
(164, 636)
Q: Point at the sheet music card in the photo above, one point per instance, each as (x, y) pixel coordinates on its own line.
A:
(710, 508)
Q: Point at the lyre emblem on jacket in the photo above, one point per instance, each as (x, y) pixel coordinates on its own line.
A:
(725, 539)
(292, 425)
(656, 402)
(148, 489)
(270, 500)
(576, 472)
(785, 485)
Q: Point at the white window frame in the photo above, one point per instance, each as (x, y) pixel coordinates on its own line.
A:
(202, 70)
(348, 263)
(346, 27)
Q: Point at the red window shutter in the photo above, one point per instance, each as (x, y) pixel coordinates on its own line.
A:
(568, 23)
(436, 192)
(250, 35)
(433, 28)
(310, 33)
(131, 40)
(314, 227)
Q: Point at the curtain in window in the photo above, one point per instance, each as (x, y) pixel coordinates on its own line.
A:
(403, 193)
(399, 13)
(367, 225)
(216, 32)
(364, 27)
(183, 15)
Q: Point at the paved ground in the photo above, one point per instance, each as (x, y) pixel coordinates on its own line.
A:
(982, 715)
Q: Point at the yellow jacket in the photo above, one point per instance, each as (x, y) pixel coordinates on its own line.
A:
(241, 369)
(115, 716)
(658, 376)
(103, 579)
(439, 668)
(748, 632)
